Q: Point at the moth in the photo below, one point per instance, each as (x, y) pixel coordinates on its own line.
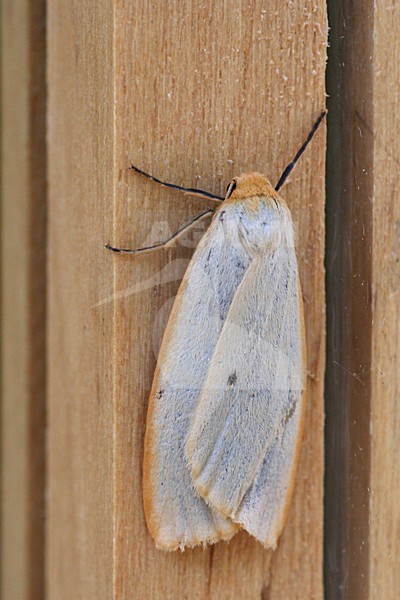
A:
(227, 404)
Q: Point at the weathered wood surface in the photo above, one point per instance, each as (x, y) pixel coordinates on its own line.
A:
(384, 572)
(80, 510)
(195, 93)
(23, 298)
(363, 477)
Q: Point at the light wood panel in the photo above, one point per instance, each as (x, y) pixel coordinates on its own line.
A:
(383, 132)
(23, 298)
(205, 91)
(80, 513)
(195, 93)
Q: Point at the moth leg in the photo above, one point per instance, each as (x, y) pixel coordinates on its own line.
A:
(172, 186)
(166, 243)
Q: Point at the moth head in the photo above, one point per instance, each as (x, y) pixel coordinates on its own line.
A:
(249, 185)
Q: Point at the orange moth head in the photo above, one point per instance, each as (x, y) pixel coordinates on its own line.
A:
(249, 185)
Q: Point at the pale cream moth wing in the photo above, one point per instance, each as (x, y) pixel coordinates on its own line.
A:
(252, 398)
(264, 507)
(176, 516)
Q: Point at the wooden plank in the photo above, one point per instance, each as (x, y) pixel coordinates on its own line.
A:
(204, 91)
(362, 507)
(23, 299)
(349, 239)
(80, 342)
(191, 87)
(385, 298)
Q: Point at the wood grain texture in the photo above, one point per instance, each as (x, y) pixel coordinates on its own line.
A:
(384, 569)
(348, 261)
(205, 91)
(23, 298)
(195, 93)
(362, 525)
(80, 514)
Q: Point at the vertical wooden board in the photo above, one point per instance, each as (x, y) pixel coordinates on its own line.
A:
(80, 341)
(363, 511)
(348, 261)
(205, 91)
(385, 404)
(23, 299)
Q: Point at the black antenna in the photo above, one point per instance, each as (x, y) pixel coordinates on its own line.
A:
(292, 164)
(166, 242)
(197, 192)
(172, 186)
